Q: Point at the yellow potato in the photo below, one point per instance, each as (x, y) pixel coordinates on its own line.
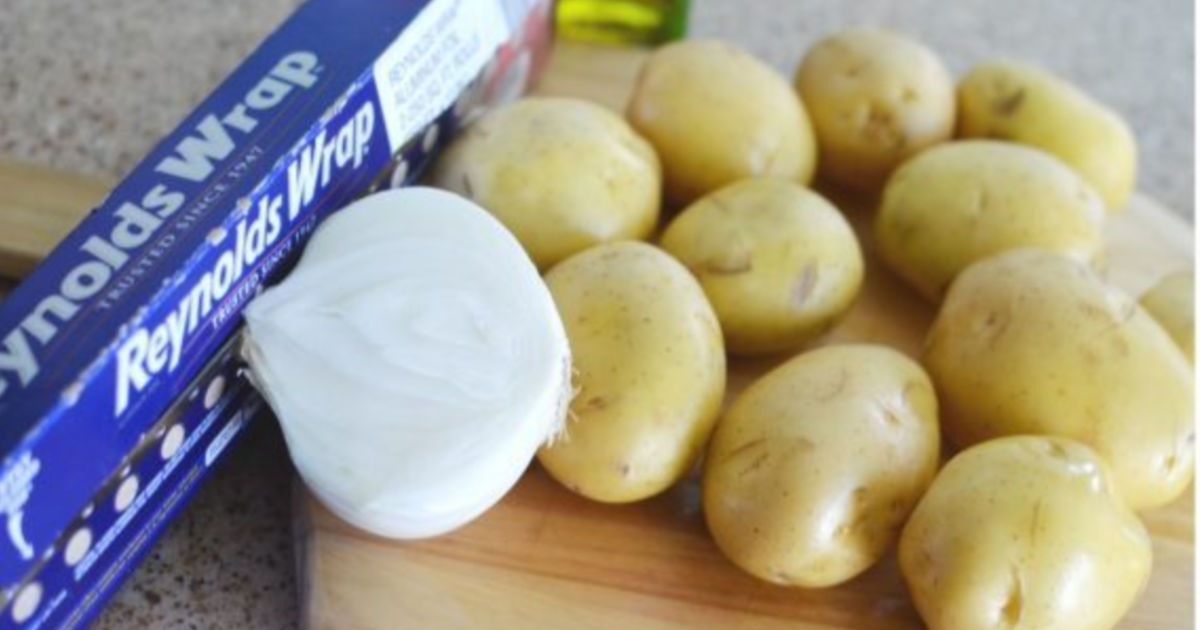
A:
(964, 201)
(561, 174)
(649, 369)
(1172, 303)
(815, 467)
(716, 115)
(1024, 532)
(875, 98)
(778, 262)
(1014, 101)
(1032, 342)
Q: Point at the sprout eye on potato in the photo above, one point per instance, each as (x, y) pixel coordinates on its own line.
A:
(716, 114)
(778, 263)
(561, 174)
(816, 465)
(1023, 532)
(875, 98)
(650, 372)
(963, 201)
(1033, 342)
(1019, 102)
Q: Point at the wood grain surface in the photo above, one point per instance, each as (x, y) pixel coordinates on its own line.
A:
(545, 558)
(38, 206)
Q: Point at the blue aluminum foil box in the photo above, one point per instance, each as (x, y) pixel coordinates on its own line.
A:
(96, 344)
(76, 575)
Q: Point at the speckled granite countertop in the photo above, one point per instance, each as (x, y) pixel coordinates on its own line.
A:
(90, 85)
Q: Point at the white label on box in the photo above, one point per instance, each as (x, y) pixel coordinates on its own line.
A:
(430, 63)
(516, 11)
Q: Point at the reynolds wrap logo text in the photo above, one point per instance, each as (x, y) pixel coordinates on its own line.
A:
(133, 223)
(151, 349)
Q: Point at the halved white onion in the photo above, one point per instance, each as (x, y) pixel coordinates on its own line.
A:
(415, 361)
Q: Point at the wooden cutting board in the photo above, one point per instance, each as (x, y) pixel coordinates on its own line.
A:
(38, 206)
(546, 558)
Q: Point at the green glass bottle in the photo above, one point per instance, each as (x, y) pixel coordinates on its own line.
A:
(622, 21)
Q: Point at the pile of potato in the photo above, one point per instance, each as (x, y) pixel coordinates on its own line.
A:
(1072, 404)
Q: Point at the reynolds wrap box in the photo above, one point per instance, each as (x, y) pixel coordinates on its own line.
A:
(104, 541)
(104, 343)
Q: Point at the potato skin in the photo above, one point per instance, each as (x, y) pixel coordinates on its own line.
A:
(815, 467)
(1024, 532)
(1013, 101)
(562, 174)
(963, 201)
(875, 98)
(650, 372)
(715, 114)
(777, 261)
(1172, 302)
(1029, 342)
